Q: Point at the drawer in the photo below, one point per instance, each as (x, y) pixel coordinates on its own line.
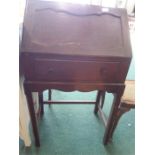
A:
(75, 71)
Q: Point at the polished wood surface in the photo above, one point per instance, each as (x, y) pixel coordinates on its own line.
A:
(75, 47)
(78, 30)
(75, 71)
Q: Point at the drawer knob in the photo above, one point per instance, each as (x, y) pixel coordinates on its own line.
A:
(50, 71)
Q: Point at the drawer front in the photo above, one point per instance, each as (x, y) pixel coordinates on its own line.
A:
(75, 71)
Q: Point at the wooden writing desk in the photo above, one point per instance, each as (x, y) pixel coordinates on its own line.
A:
(74, 47)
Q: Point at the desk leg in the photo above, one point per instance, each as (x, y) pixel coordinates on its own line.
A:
(111, 119)
(100, 95)
(49, 94)
(33, 117)
(103, 98)
(41, 103)
(120, 112)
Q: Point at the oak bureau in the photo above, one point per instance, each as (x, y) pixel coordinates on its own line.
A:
(74, 47)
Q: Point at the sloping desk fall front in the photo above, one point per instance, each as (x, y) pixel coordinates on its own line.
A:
(74, 47)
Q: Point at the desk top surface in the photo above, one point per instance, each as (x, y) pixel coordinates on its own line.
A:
(72, 29)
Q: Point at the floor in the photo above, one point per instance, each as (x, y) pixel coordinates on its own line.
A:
(75, 130)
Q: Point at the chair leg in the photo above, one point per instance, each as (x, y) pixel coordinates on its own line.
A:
(41, 103)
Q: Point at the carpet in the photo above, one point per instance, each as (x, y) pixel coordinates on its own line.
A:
(75, 130)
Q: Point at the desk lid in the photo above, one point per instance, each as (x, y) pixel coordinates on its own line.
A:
(73, 29)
